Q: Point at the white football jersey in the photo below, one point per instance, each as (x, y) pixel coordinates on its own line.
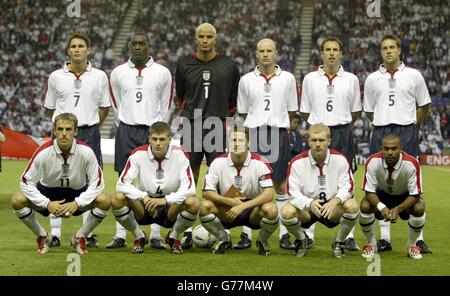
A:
(81, 95)
(393, 97)
(267, 101)
(307, 181)
(406, 176)
(330, 101)
(51, 169)
(170, 178)
(142, 96)
(251, 179)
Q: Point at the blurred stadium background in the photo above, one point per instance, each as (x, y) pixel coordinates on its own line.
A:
(32, 45)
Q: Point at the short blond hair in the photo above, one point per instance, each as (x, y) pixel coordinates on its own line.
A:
(318, 128)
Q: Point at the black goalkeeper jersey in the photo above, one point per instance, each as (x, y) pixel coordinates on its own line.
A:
(211, 87)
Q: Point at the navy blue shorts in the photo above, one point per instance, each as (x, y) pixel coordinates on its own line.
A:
(342, 141)
(91, 136)
(161, 217)
(408, 136)
(391, 201)
(242, 220)
(59, 193)
(279, 155)
(315, 219)
(128, 138)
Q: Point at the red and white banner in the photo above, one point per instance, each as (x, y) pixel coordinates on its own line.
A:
(19, 145)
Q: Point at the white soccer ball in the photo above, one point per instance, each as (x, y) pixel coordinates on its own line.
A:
(202, 238)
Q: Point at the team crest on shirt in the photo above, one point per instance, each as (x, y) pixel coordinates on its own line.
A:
(267, 87)
(330, 89)
(77, 83)
(65, 170)
(206, 75)
(238, 181)
(391, 83)
(139, 80)
(159, 174)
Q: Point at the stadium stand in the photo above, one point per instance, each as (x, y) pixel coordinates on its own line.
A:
(424, 33)
(33, 37)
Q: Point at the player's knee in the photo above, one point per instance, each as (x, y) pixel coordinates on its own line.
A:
(351, 206)
(418, 209)
(205, 207)
(18, 201)
(118, 200)
(288, 212)
(103, 202)
(365, 207)
(269, 210)
(192, 204)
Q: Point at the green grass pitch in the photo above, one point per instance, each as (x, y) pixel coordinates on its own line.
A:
(18, 249)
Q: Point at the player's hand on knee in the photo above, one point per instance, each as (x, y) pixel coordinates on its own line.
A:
(394, 215)
(316, 207)
(69, 208)
(56, 208)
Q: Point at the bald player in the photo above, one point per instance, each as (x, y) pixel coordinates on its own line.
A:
(268, 100)
(206, 86)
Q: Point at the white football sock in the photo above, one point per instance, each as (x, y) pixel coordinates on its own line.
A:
(214, 225)
(385, 230)
(248, 231)
(294, 227)
(121, 232)
(281, 200)
(155, 231)
(125, 216)
(310, 231)
(28, 217)
(85, 218)
(55, 225)
(347, 224)
(184, 221)
(93, 219)
(367, 222)
(267, 228)
(415, 226)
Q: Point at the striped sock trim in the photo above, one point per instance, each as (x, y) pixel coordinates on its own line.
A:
(119, 212)
(417, 229)
(270, 222)
(188, 216)
(207, 218)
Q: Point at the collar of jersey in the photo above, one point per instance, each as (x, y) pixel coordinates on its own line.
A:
(277, 71)
(400, 68)
(66, 66)
(148, 64)
(397, 165)
(339, 72)
(313, 161)
(58, 150)
(167, 156)
(246, 162)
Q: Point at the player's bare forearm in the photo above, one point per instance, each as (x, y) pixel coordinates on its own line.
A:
(219, 199)
(264, 197)
(103, 112)
(422, 113)
(408, 203)
(370, 116)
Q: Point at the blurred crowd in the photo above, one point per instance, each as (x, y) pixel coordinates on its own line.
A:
(171, 25)
(33, 36)
(422, 26)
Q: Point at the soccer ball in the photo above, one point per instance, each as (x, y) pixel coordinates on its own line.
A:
(202, 238)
